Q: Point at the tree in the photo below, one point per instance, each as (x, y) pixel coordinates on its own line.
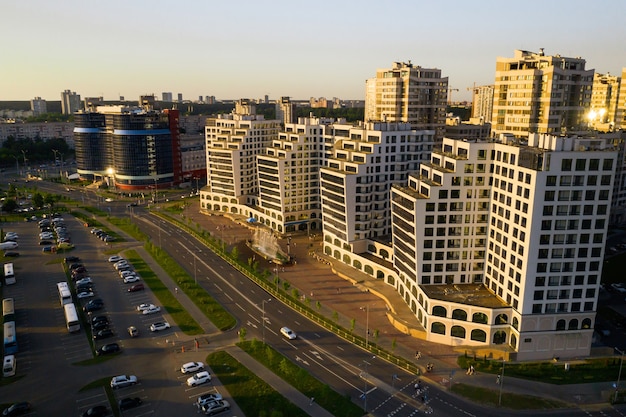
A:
(49, 200)
(9, 205)
(38, 200)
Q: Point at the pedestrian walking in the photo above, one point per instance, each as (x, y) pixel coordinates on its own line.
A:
(312, 401)
(498, 380)
(472, 369)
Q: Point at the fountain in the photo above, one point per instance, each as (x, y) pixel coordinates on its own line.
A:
(265, 243)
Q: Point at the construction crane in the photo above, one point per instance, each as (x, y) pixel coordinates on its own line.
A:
(450, 90)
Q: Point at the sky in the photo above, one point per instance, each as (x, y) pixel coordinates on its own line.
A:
(249, 48)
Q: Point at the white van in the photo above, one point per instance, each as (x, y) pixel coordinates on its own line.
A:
(8, 366)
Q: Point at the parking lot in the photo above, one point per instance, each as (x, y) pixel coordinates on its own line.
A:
(49, 355)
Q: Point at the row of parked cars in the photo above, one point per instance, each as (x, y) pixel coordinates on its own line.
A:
(211, 403)
(102, 235)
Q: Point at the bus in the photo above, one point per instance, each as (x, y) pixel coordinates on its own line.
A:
(71, 318)
(9, 275)
(65, 296)
(8, 310)
(10, 338)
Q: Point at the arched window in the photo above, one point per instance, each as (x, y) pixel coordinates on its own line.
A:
(514, 341)
(438, 328)
(459, 314)
(479, 318)
(560, 325)
(586, 324)
(369, 270)
(502, 319)
(440, 311)
(478, 335)
(458, 331)
(515, 323)
(499, 337)
(573, 324)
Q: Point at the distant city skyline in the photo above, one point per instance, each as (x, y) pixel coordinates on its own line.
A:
(323, 49)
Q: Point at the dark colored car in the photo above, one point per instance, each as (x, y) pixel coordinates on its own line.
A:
(103, 334)
(17, 409)
(97, 411)
(99, 325)
(11, 254)
(71, 259)
(128, 403)
(45, 243)
(84, 287)
(94, 305)
(97, 319)
(136, 287)
(108, 349)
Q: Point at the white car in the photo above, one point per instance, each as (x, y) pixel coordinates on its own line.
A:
(122, 381)
(207, 398)
(85, 294)
(131, 278)
(158, 326)
(108, 200)
(199, 378)
(288, 333)
(124, 273)
(121, 264)
(190, 367)
(215, 407)
(144, 306)
(83, 281)
(115, 258)
(151, 310)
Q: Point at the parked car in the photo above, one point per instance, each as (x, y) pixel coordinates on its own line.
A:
(83, 281)
(151, 310)
(215, 407)
(97, 411)
(129, 279)
(207, 398)
(108, 349)
(190, 367)
(288, 333)
(85, 294)
(115, 258)
(198, 379)
(144, 306)
(97, 319)
(103, 334)
(11, 254)
(94, 305)
(128, 403)
(122, 381)
(17, 409)
(136, 287)
(99, 325)
(158, 326)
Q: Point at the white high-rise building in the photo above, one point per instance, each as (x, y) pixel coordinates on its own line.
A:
(537, 93)
(233, 142)
(482, 103)
(408, 94)
(501, 242)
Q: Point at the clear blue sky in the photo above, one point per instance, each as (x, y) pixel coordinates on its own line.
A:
(249, 48)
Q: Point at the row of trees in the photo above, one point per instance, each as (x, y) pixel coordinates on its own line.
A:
(34, 150)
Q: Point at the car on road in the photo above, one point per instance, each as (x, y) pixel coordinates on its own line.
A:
(85, 294)
(103, 334)
(17, 409)
(133, 331)
(122, 381)
(136, 287)
(190, 367)
(108, 200)
(115, 258)
(207, 398)
(198, 379)
(288, 333)
(97, 411)
(129, 279)
(144, 306)
(151, 310)
(94, 305)
(128, 403)
(215, 407)
(619, 287)
(108, 349)
(159, 325)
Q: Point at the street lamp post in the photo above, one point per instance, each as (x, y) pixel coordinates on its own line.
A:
(619, 374)
(263, 306)
(195, 270)
(501, 378)
(364, 375)
(367, 324)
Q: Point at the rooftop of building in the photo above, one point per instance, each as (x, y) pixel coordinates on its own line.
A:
(470, 294)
